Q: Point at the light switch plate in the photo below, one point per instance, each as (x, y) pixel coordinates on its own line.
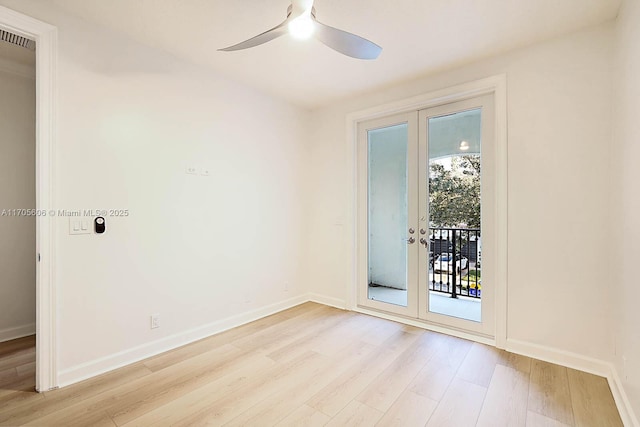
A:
(79, 225)
(205, 171)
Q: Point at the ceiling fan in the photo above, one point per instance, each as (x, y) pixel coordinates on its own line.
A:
(301, 23)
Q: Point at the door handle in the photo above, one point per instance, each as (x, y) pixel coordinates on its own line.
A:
(423, 241)
(410, 240)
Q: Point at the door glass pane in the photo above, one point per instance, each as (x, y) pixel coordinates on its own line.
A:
(387, 214)
(455, 244)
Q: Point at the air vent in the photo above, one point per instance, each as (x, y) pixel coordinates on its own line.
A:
(17, 40)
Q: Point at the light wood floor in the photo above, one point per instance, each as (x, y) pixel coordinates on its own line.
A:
(311, 366)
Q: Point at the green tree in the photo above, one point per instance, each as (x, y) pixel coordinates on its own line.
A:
(454, 194)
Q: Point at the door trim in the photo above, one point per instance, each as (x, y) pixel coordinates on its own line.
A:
(46, 37)
(496, 85)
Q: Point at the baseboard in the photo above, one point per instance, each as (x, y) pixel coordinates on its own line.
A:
(581, 363)
(105, 364)
(325, 300)
(17, 332)
(629, 418)
(559, 357)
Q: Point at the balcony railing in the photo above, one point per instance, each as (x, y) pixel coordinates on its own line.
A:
(455, 262)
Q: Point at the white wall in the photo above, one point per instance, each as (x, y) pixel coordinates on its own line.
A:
(559, 107)
(625, 224)
(17, 191)
(197, 250)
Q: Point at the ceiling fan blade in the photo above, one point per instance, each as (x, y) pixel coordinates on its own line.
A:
(346, 43)
(267, 36)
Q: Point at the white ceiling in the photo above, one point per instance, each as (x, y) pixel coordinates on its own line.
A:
(418, 36)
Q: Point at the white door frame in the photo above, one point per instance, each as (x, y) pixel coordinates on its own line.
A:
(496, 85)
(46, 37)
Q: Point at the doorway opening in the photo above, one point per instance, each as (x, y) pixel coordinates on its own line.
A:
(17, 213)
(45, 37)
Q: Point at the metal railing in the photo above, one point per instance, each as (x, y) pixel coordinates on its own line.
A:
(455, 262)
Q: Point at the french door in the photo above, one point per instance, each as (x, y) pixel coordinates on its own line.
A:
(426, 215)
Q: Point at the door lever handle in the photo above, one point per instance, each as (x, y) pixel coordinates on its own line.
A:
(411, 240)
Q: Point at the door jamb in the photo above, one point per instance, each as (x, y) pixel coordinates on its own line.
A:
(496, 85)
(46, 37)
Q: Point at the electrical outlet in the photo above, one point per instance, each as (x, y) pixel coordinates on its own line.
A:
(155, 321)
(205, 172)
(286, 286)
(192, 170)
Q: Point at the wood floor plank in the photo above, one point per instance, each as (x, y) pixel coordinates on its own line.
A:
(333, 341)
(190, 402)
(433, 380)
(39, 405)
(304, 416)
(537, 420)
(289, 330)
(505, 404)
(283, 401)
(18, 359)
(479, 364)
(204, 369)
(460, 405)
(8, 375)
(22, 392)
(178, 355)
(17, 346)
(549, 393)
(26, 369)
(221, 411)
(390, 384)
(515, 361)
(592, 401)
(296, 311)
(452, 351)
(354, 415)
(68, 419)
(410, 410)
(342, 390)
(381, 330)
(317, 332)
(126, 391)
(17, 383)
(307, 312)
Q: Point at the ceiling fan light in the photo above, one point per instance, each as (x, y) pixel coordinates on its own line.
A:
(464, 145)
(302, 27)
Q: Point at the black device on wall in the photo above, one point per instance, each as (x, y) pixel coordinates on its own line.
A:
(99, 225)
